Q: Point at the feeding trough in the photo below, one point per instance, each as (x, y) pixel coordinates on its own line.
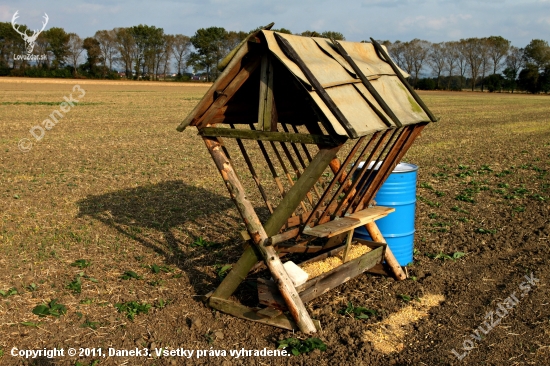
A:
(286, 123)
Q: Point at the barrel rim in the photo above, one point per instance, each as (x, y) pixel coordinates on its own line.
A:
(402, 167)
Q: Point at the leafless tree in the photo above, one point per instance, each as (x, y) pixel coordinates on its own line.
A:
(498, 49)
(451, 56)
(416, 52)
(181, 48)
(168, 53)
(472, 51)
(437, 59)
(75, 50)
(126, 46)
(108, 46)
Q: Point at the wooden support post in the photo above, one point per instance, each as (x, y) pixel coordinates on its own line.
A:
(267, 120)
(259, 236)
(376, 235)
(348, 245)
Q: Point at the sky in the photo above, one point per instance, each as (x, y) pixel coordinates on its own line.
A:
(519, 21)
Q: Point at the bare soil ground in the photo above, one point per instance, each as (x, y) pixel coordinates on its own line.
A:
(113, 184)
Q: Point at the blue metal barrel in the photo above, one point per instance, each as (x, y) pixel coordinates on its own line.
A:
(399, 192)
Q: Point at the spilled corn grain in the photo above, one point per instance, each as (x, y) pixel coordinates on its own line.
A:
(314, 269)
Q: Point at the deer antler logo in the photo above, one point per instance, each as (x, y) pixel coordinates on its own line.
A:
(29, 40)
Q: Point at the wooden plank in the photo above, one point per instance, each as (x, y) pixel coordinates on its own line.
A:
(266, 120)
(379, 269)
(279, 238)
(267, 136)
(347, 247)
(296, 248)
(269, 312)
(229, 91)
(291, 54)
(372, 213)
(321, 284)
(221, 83)
(376, 235)
(244, 312)
(334, 227)
(268, 293)
(348, 223)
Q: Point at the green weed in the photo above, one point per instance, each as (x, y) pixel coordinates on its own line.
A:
(89, 324)
(129, 275)
(12, 291)
(201, 243)
(133, 308)
(298, 346)
(357, 312)
(52, 308)
(81, 263)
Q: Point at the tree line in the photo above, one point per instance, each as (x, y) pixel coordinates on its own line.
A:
(147, 52)
(491, 63)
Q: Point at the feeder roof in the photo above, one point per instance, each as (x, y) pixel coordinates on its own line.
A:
(358, 111)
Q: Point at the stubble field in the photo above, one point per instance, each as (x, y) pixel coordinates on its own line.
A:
(113, 206)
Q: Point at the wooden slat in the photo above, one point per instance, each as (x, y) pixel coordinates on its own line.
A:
(321, 284)
(267, 136)
(244, 312)
(266, 117)
(372, 213)
(347, 223)
(268, 293)
(220, 84)
(228, 92)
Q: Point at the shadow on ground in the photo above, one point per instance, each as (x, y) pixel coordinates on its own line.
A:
(159, 216)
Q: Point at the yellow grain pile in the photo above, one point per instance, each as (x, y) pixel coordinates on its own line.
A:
(317, 268)
(389, 335)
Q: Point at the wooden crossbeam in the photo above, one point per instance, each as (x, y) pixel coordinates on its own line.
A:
(267, 136)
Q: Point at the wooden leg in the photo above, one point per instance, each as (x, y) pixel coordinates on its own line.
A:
(376, 235)
(259, 236)
(348, 245)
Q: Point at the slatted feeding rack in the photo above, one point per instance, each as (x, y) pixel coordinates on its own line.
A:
(298, 115)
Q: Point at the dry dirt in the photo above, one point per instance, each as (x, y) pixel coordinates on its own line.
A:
(114, 184)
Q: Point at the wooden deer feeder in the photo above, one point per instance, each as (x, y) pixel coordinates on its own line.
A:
(298, 114)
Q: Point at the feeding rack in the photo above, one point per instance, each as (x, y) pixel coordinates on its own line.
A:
(298, 115)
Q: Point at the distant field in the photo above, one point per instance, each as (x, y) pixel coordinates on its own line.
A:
(114, 183)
